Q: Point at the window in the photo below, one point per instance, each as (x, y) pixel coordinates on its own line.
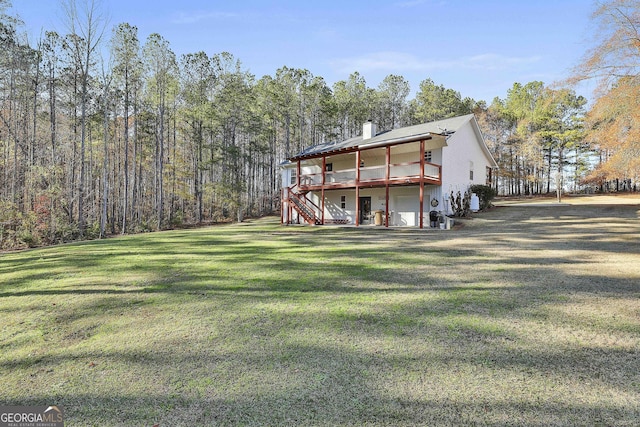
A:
(470, 171)
(428, 156)
(294, 177)
(328, 167)
(343, 202)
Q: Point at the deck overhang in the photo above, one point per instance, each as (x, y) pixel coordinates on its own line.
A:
(432, 141)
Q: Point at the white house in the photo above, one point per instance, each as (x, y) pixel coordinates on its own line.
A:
(392, 178)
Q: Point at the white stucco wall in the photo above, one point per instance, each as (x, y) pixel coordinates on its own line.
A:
(404, 204)
(285, 174)
(347, 161)
(332, 205)
(462, 154)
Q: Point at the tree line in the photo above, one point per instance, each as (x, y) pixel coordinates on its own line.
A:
(140, 139)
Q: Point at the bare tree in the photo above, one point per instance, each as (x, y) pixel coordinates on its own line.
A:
(125, 51)
(614, 63)
(161, 66)
(86, 24)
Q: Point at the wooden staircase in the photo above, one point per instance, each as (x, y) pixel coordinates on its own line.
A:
(305, 207)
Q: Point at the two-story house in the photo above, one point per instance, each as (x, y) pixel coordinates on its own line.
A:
(392, 178)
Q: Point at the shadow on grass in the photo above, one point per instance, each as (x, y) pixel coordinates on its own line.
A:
(330, 326)
(332, 385)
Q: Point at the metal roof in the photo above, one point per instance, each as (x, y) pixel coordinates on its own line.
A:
(439, 128)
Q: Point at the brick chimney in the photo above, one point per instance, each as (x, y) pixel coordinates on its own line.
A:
(368, 130)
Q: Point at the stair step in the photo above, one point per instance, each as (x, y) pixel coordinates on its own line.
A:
(303, 209)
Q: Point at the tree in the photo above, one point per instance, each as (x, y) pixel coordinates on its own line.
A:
(234, 119)
(86, 27)
(50, 51)
(523, 109)
(10, 71)
(19, 82)
(561, 129)
(614, 131)
(125, 52)
(614, 120)
(496, 129)
(198, 77)
(530, 134)
(617, 44)
(284, 88)
(392, 98)
(435, 102)
(7, 26)
(352, 105)
(162, 69)
(106, 81)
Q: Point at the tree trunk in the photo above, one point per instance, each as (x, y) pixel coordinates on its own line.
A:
(105, 168)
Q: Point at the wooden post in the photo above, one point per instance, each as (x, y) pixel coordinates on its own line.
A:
(421, 183)
(284, 203)
(386, 185)
(324, 180)
(358, 188)
(289, 208)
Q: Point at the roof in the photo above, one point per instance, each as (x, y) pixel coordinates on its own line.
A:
(434, 130)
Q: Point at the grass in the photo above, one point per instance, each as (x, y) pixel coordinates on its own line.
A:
(523, 316)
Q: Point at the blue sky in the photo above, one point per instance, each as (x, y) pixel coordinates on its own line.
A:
(479, 48)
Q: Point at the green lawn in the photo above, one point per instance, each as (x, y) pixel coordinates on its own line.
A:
(510, 320)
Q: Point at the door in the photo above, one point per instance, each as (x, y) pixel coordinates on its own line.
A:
(365, 210)
(407, 210)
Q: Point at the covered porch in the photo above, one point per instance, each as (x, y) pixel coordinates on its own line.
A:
(406, 164)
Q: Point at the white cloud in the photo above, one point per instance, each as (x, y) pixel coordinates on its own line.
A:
(399, 62)
(197, 16)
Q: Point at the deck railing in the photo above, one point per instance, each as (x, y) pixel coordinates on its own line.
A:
(305, 207)
(372, 173)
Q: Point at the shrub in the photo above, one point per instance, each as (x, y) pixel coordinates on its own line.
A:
(64, 231)
(178, 219)
(461, 205)
(27, 231)
(92, 231)
(485, 193)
